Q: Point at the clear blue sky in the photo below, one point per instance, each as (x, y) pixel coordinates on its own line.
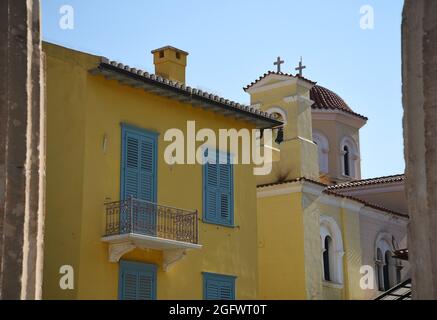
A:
(233, 42)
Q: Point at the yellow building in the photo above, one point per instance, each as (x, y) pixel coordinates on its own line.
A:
(123, 222)
(322, 232)
(120, 221)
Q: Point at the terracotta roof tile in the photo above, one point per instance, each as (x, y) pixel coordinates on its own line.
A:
(291, 181)
(367, 182)
(326, 99)
(329, 191)
(366, 203)
(180, 88)
(323, 98)
(277, 73)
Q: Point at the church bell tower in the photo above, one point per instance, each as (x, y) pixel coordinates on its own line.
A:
(287, 96)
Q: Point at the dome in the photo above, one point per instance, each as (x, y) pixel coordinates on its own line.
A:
(326, 99)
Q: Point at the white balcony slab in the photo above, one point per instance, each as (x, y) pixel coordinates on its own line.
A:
(121, 244)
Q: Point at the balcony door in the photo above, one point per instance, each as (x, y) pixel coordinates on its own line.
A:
(138, 181)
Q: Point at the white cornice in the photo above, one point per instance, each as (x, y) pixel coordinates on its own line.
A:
(352, 205)
(305, 83)
(371, 189)
(326, 199)
(338, 115)
(263, 86)
(298, 98)
(278, 190)
(289, 188)
(330, 200)
(383, 216)
(340, 202)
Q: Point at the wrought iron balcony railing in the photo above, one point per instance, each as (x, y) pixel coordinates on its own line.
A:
(133, 216)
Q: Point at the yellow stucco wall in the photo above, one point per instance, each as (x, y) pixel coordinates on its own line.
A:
(281, 247)
(82, 175)
(289, 245)
(348, 222)
(335, 131)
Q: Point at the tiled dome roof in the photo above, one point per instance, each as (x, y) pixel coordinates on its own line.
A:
(324, 98)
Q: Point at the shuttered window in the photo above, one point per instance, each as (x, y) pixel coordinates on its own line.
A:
(218, 188)
(138, 179)
(137, 281)
(218, 287)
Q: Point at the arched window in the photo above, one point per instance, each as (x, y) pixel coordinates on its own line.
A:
(278, 114)
(387, 267)
(380, 269)
(280, 136)
(349, 158)
(386, 270)
(322, 150)
(346, 162)
(327, 251)
(332, 250)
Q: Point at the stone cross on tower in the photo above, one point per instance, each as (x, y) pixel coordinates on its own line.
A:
(300, 68)
(278, 63)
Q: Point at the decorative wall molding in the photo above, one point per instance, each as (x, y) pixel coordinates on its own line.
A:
(117, 250)
(171, 257)
(263, 85)
(339, 116)
(300, 99)
(281, 111)
(329, 227)
(323, 149)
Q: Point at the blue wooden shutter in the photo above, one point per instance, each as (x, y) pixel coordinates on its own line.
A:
(225, 196)
(138, 164)
(137, 281)
(211, 191)
(147, 169)
(129, 285)
(218, 189)
(131, 165)
(146, 286)
(219, 287)
(212, 288)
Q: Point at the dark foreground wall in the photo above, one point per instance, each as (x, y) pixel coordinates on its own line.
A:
(419, 54)
(21, 150)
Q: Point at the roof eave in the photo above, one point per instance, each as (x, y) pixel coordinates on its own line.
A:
(371, 182)
(344, 111)
(185, 94)
(325, 189)
(269, 73)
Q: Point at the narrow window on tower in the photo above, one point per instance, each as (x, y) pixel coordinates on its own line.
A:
(380, 269)
(346, 161)
(386, 270)
(326, 262)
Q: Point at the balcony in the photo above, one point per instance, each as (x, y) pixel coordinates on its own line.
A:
(134, 223)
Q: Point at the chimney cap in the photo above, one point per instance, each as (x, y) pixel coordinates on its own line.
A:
(169, 48)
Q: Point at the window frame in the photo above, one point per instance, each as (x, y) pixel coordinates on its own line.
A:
(353, 156)
(387, 269)
(329, 227)
(327, 258)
